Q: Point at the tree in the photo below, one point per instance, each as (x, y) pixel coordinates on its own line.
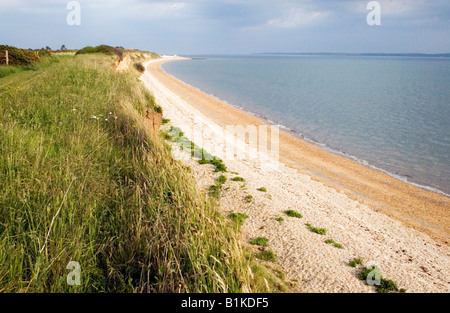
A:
(63, 48)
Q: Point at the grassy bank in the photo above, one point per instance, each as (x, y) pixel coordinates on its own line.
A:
(82, 179)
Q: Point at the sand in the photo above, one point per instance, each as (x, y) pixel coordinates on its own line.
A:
(397, 226)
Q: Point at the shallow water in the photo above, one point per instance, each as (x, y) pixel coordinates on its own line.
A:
(392, 113)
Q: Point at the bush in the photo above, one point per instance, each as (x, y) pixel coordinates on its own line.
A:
(320, 231)
(17, 56)
(260, 241)
(292, 213)
(103, 49)
(266, 255)
(139, 67)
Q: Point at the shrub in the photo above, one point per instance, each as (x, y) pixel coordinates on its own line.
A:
(103, 49)
(237, 178)
(260, 241)
(238, 218)
(334, 243)
(266, 255)
(320, 231)
(355, 262)
(292, 213)
(222, 179)
(17, 56)
(139, 67)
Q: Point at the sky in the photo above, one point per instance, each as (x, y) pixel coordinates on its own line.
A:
(194, 27)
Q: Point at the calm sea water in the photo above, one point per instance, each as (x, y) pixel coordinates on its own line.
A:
(392, 113)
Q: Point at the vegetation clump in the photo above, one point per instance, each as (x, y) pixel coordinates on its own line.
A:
(238, 218)
(139, 67)
(260, 241)
(334, 243)
(355, 262)
(238, 178)
(266, 255)
(263, 189)
(320, 231)
(292, 213)
(105, 49)
(382, 285)
(18, 56)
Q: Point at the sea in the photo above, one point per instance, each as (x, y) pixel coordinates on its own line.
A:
(391, 113)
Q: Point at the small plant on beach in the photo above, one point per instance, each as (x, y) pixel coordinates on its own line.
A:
(260, 241)
(248, 198)
(158, 109)
(334, 243)
(222, 179)
(266, 255)
(237, 178)
(263, 189)
(320, 231)
(355, 262)
(165, 121)
(238, 218)
(214, 191)
(292, 213)
(372, 275)
(279, 219)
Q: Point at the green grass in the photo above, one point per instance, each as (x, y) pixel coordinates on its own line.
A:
(334, 243)
(238, 218)
(266, 255)
(222, 179)
(214, 191)
(102, 191)
(320, 231)
(237, 178)
(355, 262)
(384, 285)
(263, 189)
(204, 157)
(248, 198)
(292, 213)
(279, 219)
(260, 241)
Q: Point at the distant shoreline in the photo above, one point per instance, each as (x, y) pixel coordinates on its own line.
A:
(444, 55)
(424, 210)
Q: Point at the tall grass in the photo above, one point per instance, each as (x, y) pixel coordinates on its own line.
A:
(82, 179)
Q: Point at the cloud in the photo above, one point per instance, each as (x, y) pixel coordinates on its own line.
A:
(299, 17)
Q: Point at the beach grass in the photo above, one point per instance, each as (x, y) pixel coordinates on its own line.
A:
(292, 213)
(259, 241)
(334, 243)
(317, 230)
(266, 255)
(82, 178)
